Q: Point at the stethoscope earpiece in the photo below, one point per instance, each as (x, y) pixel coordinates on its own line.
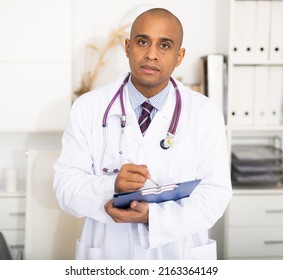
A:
(105, 170)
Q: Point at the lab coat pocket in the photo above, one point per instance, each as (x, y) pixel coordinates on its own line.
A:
(203, 252)
(84, 252)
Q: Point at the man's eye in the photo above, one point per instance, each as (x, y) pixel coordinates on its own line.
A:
(164, 46)
(142, 42)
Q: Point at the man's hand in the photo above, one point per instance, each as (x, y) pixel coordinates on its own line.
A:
(136, 213)
(131, 178)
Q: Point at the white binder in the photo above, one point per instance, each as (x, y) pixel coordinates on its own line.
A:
(215, 79)
(276, 32)
(241, 95)
(261, 92)
(275, 91)
(262, 30)
(244, 30)
(237, 40)
(213, 75)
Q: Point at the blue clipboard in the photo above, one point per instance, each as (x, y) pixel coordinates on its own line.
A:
(156, 195)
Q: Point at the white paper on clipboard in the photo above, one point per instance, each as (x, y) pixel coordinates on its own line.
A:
(157, 194)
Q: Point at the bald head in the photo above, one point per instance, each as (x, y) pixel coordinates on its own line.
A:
(154, 50)
(162, 14)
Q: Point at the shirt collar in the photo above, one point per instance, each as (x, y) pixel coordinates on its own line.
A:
(136, 98)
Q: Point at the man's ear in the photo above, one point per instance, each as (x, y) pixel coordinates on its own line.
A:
(181, 55)
(127, 45)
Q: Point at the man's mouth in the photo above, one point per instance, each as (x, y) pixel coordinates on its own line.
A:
(150, 69)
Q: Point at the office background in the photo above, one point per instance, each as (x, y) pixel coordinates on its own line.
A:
(43, 57)
(48, 46)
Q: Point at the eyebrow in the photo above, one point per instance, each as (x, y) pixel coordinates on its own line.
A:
(148, 37)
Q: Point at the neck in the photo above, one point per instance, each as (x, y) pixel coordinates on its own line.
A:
(149, 90)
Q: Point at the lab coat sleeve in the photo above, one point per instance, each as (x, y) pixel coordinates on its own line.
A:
(172, 220)
(78, 190)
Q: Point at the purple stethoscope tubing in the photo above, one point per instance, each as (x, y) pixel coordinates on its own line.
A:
(118, 93)
(164, 143)
(177, 111)
(176, 115)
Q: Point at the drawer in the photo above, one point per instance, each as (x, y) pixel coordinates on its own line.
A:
(255, 210)
(14, 238)
(12, 213)
(255, 242)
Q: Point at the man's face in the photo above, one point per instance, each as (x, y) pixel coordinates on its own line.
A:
(153, 52)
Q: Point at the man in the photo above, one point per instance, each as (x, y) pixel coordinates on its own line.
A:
(100, 160)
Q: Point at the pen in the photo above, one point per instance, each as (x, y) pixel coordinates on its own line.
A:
(153, 181)
(147, 178)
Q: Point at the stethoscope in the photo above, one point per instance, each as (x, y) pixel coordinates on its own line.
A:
(165, 143)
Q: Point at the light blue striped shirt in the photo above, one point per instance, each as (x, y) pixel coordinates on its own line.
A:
(137, 99)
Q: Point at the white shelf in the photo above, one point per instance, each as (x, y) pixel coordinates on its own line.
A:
(256, 128)
(19, 193)
(255, 114)
(256, 63)
(248, 190)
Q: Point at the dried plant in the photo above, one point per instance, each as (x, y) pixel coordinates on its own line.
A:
(116, 37)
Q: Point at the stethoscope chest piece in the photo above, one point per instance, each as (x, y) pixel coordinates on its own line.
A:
(167, 142)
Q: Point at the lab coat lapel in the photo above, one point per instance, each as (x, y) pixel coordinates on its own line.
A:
(132, 128)
(160, 124)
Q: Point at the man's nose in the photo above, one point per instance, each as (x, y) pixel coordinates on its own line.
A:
(152, 53)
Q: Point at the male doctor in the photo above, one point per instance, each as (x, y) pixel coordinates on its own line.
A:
(98, 161)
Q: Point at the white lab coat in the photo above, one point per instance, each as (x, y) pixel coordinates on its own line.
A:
(176, 230)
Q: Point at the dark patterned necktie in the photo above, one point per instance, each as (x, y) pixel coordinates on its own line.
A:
(144, 119)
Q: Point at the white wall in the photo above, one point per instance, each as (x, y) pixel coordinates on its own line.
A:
(205, 25)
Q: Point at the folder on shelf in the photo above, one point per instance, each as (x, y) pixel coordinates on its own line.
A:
(241, 96)
(156, 195)
(268, 95)
(237, 27)
(275, 90)
(254, 24)
(244, 25)
(213, 77)
(261, 94)
(262, 30)
(256, 95)
(276, 33)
